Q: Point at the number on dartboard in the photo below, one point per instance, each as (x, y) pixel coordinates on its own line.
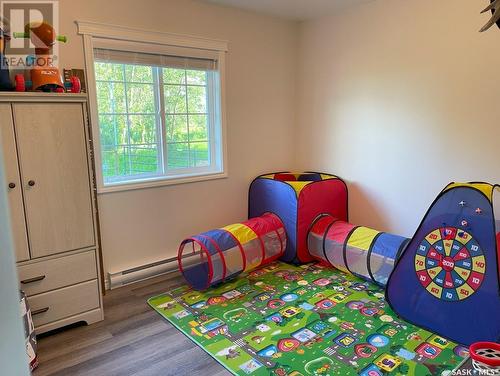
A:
(450, 266)
(448, 263)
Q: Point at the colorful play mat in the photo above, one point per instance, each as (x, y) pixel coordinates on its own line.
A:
(305, 320)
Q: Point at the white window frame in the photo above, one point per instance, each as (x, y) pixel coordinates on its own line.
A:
(99, 35)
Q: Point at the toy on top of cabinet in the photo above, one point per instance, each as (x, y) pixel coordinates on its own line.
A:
(44, 75)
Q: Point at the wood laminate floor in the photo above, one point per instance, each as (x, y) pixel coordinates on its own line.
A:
(132, 340)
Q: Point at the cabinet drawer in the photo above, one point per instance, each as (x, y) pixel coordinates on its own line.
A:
(68, 301)
(55, 273)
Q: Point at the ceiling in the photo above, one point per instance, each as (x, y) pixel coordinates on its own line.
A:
(298, 10)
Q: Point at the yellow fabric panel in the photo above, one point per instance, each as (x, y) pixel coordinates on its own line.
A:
(241, 232)
(486, 188)
(362, 238)
(269, 176)
(298, 185)
(327, 177)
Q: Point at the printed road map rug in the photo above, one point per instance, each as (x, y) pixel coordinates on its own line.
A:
(305, 320)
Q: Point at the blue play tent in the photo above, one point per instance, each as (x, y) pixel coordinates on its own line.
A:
(447, 279)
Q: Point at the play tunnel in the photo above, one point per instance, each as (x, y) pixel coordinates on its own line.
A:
(218, 255)
(362, 251)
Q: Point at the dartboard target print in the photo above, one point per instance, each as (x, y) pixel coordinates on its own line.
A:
(450, 264)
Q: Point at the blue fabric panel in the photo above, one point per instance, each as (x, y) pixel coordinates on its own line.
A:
(387, 245)
(309, 177)
(206, 242)
(223, 239)
(474, 318)
(383, 256)
(197, 275)
(276, 197)
(216, 259)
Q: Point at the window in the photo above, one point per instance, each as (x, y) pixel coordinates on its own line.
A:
(159, 116)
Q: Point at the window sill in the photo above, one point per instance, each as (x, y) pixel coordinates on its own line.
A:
(159, 182)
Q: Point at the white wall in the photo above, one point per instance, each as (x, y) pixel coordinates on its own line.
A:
(147, 225)
(400, 98)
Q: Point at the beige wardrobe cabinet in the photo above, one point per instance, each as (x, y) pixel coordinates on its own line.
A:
(48, 169)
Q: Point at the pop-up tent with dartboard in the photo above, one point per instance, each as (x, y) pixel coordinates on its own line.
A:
(447, 279)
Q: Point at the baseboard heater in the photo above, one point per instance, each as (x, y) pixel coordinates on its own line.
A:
(140, 273)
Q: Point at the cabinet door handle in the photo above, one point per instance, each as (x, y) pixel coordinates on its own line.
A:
(31, 280)
(39, 311)
(12, 185)
(31, 183)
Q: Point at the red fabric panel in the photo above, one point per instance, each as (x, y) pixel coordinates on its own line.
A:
(324, 197)
(278, 225)
(262, 225)
(339, 231)
(285, 177)
(322, 224)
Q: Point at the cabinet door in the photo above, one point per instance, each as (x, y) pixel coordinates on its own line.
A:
(55, 176)
(13, 180)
